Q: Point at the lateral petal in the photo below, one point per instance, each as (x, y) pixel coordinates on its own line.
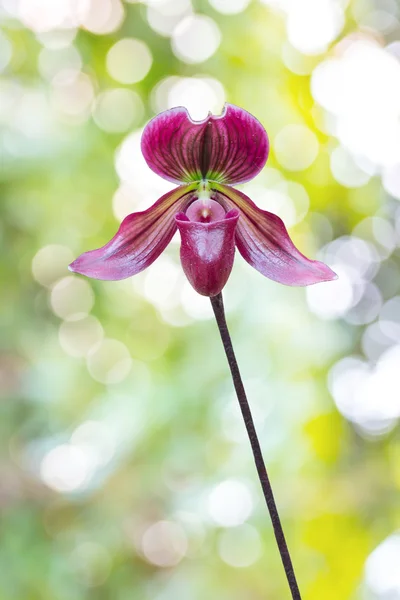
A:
(140, 239)
(263, 241)
(231, 148)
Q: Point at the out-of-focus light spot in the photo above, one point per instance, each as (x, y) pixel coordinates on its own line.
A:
(175, 316)
(170, 7)
(164, 544)
(160, 93)
(91, 563)
(117, 110)
(368, 395)
(361, 8)
(125, 160)
(358, 255)
(129, 60)
(382, 574)
(198, 94)
(46, 15)
(240, 547)
(332, 299)
(124, 202)
(133, 170)
(361, 88)
(230, 7)
(391, 180)
(73, 94)
(375, 340)
(344, 379)
(296, 62)
(5, 52)
(345, 170)
(367, 309)
(79, 337)
(194, 528)
(389, 319)
(96, 440)
(391, 310)
(104, 16)
(230, 503)
(72, 298)
(380, 231)
(57, 39)
(50, 263)
(164, 16)
(271, 176)
(379, 20)
(66, 468)
(387, 277)
(313, 24)
(195, 39)
(109, 362)
(296, 147)
(157, 3)
(195, 305)
(163, 283)
(299, 196)
(31, 113)
(397, 228)
(10, 8)
(280, 5)
(323, 120)
(276, 201)
(366, 165)
(321, 227)
(394, 49)
(53, 62)
(288, 199)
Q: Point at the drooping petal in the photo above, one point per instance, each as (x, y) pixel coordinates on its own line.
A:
(138, 242)
(229, 148)
(263, 241)
(207, 251)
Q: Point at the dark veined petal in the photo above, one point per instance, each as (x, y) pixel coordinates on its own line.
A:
(207, 251)
(263, 241)
(138, 242)
(229, 148)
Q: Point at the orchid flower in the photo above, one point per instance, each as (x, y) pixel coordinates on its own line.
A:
(204, 158)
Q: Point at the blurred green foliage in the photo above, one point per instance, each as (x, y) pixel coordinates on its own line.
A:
(125, 470)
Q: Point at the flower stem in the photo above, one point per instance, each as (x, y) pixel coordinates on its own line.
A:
(218, 308)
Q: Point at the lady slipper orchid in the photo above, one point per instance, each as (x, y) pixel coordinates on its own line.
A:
(213, 218)
(204, 158)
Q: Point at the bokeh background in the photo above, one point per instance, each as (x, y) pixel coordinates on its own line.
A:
(125, 469)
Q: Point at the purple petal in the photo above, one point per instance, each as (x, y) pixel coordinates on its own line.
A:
(263, 241)
(230, 148)
(207, 251)
(138, 242)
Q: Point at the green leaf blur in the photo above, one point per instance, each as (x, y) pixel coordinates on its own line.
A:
(125, 471)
